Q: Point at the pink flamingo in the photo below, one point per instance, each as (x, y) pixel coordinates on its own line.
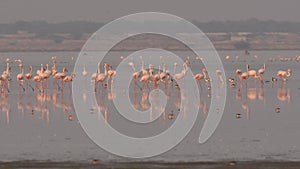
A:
(68, 79)
(37, 80)
(101, 76)
(238, 73)
(284, 74)
(219, 74)
(60, 75)
(252, 73)
(54, 71)
(200, 76)
(84, 72)
(110, 74)
(261, 72)
(156, 77)
(5, 77)
(163, 74)
(145, 77)
(20, 76)
(135, 75)
(245, 75)
(28, 76)
(94, 75)
(180, 75)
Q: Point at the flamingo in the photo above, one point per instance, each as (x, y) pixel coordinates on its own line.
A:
(5, 77)
(84, 72)
(238, 73)
(45, 74)
(261, 72)
(157, 76)
(131, 64)
(101, 76)
(68, 79)
(20, 76)
(151, 71)
(94, 75)
(110, 74)
(163, 74)
(180, 75)
(245, 75)
(28, 76)
(175, 66)
(145, 77)
(47, 71)
(135, 75)
(54, 71)
(60, 75)
(200, 76)
(284, 74)
(252, 73)
(144, 72)
(18, 60)
(37, 80)
(219, 74)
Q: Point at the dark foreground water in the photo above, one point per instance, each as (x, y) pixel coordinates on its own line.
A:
(190, 165)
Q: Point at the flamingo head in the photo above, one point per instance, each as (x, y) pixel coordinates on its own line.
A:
(65, 70)
(130, 64)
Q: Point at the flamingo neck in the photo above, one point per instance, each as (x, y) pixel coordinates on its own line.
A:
(159, 70)
(204, 74)
(142, 66)
(7, 67)
(105, 70)
(99, 69)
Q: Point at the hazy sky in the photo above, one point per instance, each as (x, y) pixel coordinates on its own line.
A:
(99, 11)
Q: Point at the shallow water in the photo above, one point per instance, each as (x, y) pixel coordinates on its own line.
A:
(39, 126)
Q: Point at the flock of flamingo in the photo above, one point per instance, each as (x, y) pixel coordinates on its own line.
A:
(40, 77)
(146, 75)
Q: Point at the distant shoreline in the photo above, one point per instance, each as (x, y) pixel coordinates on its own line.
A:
(29, 42)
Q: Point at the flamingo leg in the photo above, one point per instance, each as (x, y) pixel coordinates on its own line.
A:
(22, 86)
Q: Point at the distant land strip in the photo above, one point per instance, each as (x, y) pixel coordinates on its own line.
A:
(251, 34)
(23, 41)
